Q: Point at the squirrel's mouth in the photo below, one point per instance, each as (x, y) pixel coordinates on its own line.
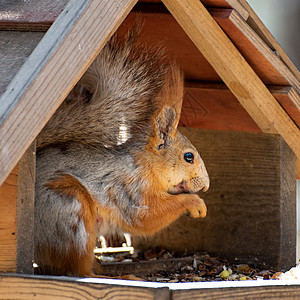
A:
(181, 188)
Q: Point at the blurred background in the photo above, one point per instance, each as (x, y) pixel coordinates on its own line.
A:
(282, 18)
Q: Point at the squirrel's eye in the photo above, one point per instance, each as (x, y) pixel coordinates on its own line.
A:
(189, 157)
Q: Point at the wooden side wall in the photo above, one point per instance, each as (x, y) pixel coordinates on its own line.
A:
(8, 222)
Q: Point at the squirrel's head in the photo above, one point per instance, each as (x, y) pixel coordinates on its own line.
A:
(174, 161)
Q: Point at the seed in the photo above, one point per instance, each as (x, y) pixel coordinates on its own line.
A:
(197, 278)
(224, 274)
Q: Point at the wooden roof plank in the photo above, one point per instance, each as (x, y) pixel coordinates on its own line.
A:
(54, 67)
(260, 57)
(259, 44)
(235, 71)
(289, 100)
(230, 4)
(34, 12)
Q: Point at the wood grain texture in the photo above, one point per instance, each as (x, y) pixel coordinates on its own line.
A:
(25, 212)
(289, 99)
(251, 201)
(13, 287)
(262, 292)
(55, 66)
(8, 222)
(213, 106)
(255, 41)
(235, 71)
(260, 57)
(47, 287)
(288, 204)
(15, 47)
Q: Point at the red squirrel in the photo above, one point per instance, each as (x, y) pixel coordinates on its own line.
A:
(110, 160)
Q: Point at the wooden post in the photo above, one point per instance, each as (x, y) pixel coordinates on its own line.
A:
(17, 216)
(25, 212)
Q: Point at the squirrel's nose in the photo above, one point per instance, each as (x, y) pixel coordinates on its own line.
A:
(204, 178)
(205, 183)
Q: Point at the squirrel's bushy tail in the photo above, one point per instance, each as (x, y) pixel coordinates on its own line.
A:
(114, 100)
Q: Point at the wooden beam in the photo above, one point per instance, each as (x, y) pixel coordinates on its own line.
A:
(257, 57)
(50, 287)
(55, 66)
(234, 71)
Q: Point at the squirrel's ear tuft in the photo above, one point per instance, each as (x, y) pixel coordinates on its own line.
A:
(167, 117)
(165, 127)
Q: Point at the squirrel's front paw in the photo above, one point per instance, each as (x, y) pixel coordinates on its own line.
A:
(198, 209)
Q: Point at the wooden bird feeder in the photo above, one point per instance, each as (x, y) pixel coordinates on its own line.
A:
(241, 110)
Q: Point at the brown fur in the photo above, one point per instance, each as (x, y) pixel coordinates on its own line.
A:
(81, 264)
(111, 159)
